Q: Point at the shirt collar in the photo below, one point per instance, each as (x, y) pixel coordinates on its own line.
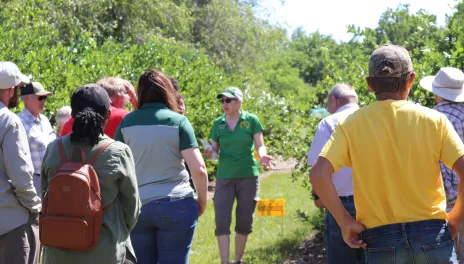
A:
(154, 105)
(29, 116)
(447, 102)
(347, 107)
(242, 116)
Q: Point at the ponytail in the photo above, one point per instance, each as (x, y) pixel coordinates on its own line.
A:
(88, 125)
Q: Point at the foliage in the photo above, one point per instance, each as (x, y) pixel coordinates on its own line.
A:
(323, 63)
(63, 57)
(210, 44)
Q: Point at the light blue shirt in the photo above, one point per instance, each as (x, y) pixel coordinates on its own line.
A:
(342, 179)
(39, 134)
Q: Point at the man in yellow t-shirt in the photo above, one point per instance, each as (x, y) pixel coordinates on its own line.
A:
(394, 147)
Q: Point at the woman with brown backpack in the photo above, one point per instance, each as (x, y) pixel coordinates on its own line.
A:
(89, 189)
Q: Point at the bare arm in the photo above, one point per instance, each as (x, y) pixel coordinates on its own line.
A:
(197, 168)
(261, 149)
(321, 180)
(456, 216)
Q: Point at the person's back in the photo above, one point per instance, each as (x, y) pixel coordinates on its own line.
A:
(113, 167)
(158, 161)
(161, 139)
(342, 101)
(116, 175)
(394, 148)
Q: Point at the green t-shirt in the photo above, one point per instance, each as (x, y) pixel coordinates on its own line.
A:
(236, 158)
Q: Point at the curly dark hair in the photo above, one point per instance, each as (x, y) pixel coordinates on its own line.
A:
(88, 125)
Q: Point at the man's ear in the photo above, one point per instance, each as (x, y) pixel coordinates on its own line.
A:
(410, 80)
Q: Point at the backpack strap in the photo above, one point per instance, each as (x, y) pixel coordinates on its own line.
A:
(61, 148)
(94, 159)
(83, 157)
(63, 155)
(109, 205)
(99, 151)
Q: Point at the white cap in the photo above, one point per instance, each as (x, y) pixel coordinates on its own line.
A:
(10, 75)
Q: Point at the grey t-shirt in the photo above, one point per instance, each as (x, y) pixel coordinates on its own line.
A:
(156, 136)
(18, 197)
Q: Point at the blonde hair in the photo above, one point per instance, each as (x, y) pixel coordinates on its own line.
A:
(114, 86)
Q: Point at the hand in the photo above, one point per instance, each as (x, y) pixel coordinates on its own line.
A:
(351, 234)
(266, 161)
(201, 207)
(208, 153)
(319, 204)
(132, 95)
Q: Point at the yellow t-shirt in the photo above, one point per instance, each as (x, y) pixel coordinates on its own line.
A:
(394, 148)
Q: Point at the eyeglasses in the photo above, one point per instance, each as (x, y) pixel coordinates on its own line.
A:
(42, 97)
(227, 100)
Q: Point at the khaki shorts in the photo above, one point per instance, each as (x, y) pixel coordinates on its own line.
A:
(246, 191)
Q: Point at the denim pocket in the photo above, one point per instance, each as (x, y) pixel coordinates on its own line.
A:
(438, 253)
(172, 211)
(384, 255)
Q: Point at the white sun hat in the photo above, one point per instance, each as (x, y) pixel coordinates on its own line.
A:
(448, 84)
(10, 75)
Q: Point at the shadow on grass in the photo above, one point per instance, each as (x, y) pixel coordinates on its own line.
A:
(277, 252)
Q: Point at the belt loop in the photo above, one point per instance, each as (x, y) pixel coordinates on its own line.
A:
(403, 229)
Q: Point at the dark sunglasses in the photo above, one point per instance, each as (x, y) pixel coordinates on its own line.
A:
(42, 97)
(226, 100)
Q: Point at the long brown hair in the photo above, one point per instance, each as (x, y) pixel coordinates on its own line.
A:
(155, 87)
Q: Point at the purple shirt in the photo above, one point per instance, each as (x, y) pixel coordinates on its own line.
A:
(342, 179)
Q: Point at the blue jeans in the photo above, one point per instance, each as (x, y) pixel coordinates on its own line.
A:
(422, 242)
(337, 250)
(164, 231)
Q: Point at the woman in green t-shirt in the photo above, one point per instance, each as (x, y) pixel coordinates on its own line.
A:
(234, 135)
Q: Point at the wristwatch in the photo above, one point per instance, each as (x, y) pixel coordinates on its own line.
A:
(314, 196)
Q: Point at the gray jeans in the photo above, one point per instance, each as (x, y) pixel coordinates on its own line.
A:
(246, 191)
(21, 245)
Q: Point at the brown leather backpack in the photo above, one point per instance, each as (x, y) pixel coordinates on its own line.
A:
(72, 210)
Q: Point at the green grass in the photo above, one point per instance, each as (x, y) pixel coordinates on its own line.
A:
(273, 238)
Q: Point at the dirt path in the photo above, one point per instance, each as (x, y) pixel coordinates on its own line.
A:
(310, 251)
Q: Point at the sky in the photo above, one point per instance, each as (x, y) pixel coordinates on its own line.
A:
(331, 17)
